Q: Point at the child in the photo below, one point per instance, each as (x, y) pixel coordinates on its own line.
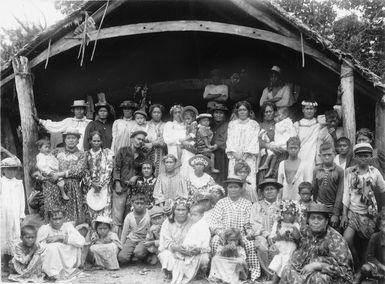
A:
(286, 233)
(135, 227)
(84, 230)
(375, 267)
(229, 263)
(188, 114)
(204, 137)
(328, 183)
(305, 191)
(26, 262)
(344, 147)
(140, 118)
(12, 206)
(105, 244)
(152, 238)
(242, 170)
(48, 164)
(284, 129)
(197, 240)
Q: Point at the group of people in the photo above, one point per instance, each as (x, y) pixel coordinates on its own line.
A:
(214, 194)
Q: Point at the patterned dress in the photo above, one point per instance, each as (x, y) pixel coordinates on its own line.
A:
(73, 162)
(145, 186)
(99, 170)
(330, 248)
(159, 147)
(199, 185)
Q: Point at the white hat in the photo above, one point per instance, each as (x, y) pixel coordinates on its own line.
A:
(204, 115)
(97, 200)
(79, 103)
(276, 69)
(12, 162)
(102, 219)
(362, 148)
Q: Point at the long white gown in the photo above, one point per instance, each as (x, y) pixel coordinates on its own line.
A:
(173, 131)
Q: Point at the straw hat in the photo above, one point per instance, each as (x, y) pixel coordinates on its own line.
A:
(79, 103)
(363, 148)
(97, 200)
(72, 131)
(217, 106)
(204, 115)
(102, 219)
(199, 159)
(318, 208)
(140, 112)
(12, 162)
(189, 108)
(271, 181)
(234, 179)
(138, 132)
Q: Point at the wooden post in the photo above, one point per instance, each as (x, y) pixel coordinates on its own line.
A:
(23, 82)
(380, 123)
(348, 111)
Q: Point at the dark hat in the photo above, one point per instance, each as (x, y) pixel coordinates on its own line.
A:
(268, 181)
(72, 131)
(363, 148)
(133, 134)
(318, 208)
(128, 104)
(217, 106)
(140, 112)
(235, 179)
(79, 103)
(189, 108)
(102, 104)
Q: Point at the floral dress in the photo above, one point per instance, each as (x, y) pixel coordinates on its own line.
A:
(145, 186)
(73, 162)
(159, 148)
(99, 170)
(199, 185)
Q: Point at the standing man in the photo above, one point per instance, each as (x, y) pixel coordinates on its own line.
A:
(127, 166)
(78, 122)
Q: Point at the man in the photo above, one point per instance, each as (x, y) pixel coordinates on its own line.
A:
(217, 91)
(78, 122)
(360, 211)
(126, 168)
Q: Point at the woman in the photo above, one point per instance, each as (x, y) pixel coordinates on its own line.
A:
(121, 128)
(156, 128)
(72, 164)
(323, 256)
(262, 217)
(144, 184)
(62, 245)
(172, 235)
(242, 140)
(170, 184)
(199, 182)
(174, 131)
(97, 178)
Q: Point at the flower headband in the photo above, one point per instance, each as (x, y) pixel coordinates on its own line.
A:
(173, 108)
(307, 103)
(289, 206)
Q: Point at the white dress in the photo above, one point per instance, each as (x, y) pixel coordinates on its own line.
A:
(121, 130)
(12, 210)
(172, 133)
(242, 138)
(282, 132)
(47, 164)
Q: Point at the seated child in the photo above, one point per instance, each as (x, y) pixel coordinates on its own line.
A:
(135, 227)
(229, 263)
(375, 267)
(84, 230)
(151, 242)
(26, 262)
(284, 129)
(286, 234)
(204, 137)
(105, 244)
(242, 170)
(48, 164)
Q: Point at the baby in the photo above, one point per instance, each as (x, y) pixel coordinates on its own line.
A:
(151, 242)
(285, 232)
(204, 138)
(284, 129)
(140, 118)
(47, 164)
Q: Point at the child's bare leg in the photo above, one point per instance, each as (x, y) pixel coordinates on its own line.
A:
(265, 165)
(63, 193)
(213, 169)
(272, 165)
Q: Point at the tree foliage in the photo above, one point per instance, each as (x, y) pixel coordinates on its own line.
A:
(67, 7)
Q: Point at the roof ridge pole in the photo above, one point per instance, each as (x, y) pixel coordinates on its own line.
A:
(24, 89)
(347, 99)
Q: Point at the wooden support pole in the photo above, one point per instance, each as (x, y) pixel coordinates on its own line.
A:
(348, 111)
(380, 123)
(23, 82)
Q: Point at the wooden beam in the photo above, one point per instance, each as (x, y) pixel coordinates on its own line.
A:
(380, 123)
(24, 89)
(348, 110)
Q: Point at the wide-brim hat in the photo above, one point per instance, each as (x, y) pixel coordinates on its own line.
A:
(276, 69)
(156, 211)
(217, 106)
(79, 103)
(199, 159)
(128, 104)
(235, 179)
(102, 219)
(204, 115)
(363, 148)
(140, 112)
(72, 131)
(201, 197)
(12, 162)
(189, 108)
(271, 181)
(102, 104)
(97, 200)
(133, 134)
(319, 208)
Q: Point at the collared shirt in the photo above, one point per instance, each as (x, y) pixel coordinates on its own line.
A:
(126, 165)
(134, 231)
(328, 187)
(105, 128)
(263, 214)
(376, 248)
